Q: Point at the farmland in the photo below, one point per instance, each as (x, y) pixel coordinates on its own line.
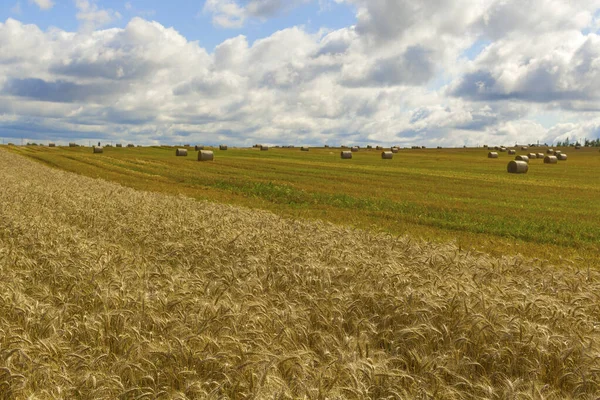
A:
(552, 212)
(109, 292)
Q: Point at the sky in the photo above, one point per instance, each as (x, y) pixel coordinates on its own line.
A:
(301, 72)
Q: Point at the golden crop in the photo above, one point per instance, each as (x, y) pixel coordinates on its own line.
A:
(108, 292)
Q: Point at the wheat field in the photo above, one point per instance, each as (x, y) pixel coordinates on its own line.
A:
(112, 293)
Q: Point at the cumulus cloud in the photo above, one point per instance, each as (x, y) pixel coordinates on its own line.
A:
(400, 75)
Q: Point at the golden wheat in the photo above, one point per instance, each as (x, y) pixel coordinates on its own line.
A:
(108, 292)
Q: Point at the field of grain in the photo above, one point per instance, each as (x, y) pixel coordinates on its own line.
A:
(442, 195)
(108, 292)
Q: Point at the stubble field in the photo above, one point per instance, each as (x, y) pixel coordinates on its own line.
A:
(109, 292)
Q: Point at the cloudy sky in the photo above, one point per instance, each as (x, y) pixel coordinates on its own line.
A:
(402, 72)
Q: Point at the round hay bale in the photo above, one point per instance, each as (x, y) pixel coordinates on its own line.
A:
(304, 148)
(222, 147)
(206, 155)
(522, 158)
(550, 160)
(540, 155)
(394, 150)
(198, 148)
(98, 149)
(562, 157)
(524, 148)
(181, 152)
(52, 145)
(387, 155)
(549, 151)
(503, 149)
(557, 152)
(264, 148)
(517, 167)
(512, 152)
(532, 156)
(345, 155)
(119, 145)
(492, 154)
(354, 149)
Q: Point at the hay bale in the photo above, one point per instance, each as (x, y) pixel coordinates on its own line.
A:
(550, 160)
(206, 155)
(517, 167)
(354, 149)
(557, 152)
(98, 149)
(119, 145)
(549, 151)
(198, 148)
(562, 157)
(512, 152)
(492, 154)
(345, 155)
(181, 152)
(51, 144)
(222, 147)
(264, 148)
(532, 156)
(524, 148)
(304, 148)
(540, 155)
(503, 149)
(522, 158)
(387, 155)
(394, 150)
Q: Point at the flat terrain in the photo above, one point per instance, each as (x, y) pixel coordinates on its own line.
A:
(112, 293)
(459, 195)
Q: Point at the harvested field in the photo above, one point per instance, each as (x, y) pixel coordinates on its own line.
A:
(439, 195)
(109, 292)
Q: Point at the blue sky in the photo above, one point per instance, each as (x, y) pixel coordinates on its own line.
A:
(309, 72)
(187, 17)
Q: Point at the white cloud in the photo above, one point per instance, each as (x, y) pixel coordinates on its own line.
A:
(44, 4)
(91, 17)
(226, 13)
(233, 14)
(378, 81)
